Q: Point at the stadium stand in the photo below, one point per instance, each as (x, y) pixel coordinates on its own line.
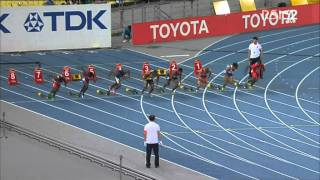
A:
(313, 1)
(298, 2)
(14, 3)
(8, 3)
(247, 5)
(302, 2)
(221, 7)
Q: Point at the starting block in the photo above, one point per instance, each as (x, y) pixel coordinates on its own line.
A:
(101, 92)
(42, 95)
(108, 93)
(210, 86)
(246, 86)
(162, 72)
(187, 89)
(131, 91)
(76, 77)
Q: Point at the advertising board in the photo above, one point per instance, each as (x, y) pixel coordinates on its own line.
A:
(207, 26)
(55, 27)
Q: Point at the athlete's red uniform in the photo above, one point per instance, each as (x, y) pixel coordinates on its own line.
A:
(256, 70)
(145, 69)
(173, 68)
(203, 78)
(197, 67)
(56, 85)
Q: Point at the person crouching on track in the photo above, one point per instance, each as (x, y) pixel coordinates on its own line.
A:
(119, 74)
(203, 77)
(256, 70)
(85, 82)
(56, 84)
(174, 77)
(228, 76)
(148, 80)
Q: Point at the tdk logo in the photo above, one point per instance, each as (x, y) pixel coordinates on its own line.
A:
(2, 27)
(33, 23)
(87, 20)
(60, 20)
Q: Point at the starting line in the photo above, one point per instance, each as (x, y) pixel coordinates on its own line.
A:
(177, 55)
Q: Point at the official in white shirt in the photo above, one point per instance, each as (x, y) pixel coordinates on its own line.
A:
(152, 139)
(254, 53)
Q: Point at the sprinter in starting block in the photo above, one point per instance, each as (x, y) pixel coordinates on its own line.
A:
(203, 77)
(56, 84)
(119, 74)
(148, 80)
(86, 76)
(228, 76)
(256, 72)
(175, 79)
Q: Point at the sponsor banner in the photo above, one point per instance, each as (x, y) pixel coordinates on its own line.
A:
(198, 27)
(55, 27)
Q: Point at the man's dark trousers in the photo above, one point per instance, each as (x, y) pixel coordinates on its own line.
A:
(155, 148)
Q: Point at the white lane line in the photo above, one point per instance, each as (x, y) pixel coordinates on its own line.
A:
(139, 79)
(199, 156)
(165, 109)
(204, 105)
(247, 129)
(219, 94)
(287, 137)
(237, 145)
(278, 39)
(217, 104)
(268, 154)
(261, 37)
(318, 135)
(236, 156)
(95, 97)
(236, 105)
(261, 107)
(196, 107)
(172, 102)
(177, 55)
(278, 92)
(210, 62)
(246, 41)
(70, 112)
(266, 142)
(241, 50)
(80, 103)
(267, 104)
(296, 94)
(109, 126)
(261, 97)
(123, 95)
(241, 101)
(139, 52)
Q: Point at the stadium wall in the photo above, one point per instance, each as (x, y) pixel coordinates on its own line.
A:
(208, 26)
(55, 27)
